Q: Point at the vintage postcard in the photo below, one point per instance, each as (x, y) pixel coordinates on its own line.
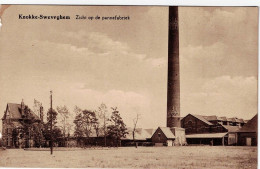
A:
(128, 86)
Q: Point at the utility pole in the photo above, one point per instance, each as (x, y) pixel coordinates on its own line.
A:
(51, 124)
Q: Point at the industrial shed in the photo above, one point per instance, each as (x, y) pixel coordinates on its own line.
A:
(212, 130)
(142, 137)
(207, 138)
(232, 134)
(247, 135)
(169, 136)
(163, 136)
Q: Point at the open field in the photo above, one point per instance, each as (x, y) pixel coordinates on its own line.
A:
(130, 157)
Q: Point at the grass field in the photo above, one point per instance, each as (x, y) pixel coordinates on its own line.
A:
(130, 157)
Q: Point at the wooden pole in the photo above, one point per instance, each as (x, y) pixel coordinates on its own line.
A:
(105, 134)
(51, 125)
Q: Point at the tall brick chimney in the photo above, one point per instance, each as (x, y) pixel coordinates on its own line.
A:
(173, 91)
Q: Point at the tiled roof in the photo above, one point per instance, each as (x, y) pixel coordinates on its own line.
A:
(150, 131)
(202, 119)
(210, 118)
(231, 128)
(250, 126)
(15, 111)
(206, 135)
(231, 119)
(167, 132)
(223, 118)
(140, 134)
(207, 119)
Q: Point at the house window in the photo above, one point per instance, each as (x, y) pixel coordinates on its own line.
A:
(189, 123)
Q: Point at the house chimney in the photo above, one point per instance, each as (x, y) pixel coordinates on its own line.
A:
(41, 113)
(22, 108)
(173, 91)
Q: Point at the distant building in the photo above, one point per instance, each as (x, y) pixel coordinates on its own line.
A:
(142, 137)
(247, 135)
(211, 130)
(93, 139)
(16, 117)
(168, 136)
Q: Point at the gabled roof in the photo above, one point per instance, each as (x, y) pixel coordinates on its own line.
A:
(207, 119)
(15, 111)
(231, 119)
(202, 119)
(223, 118)
(211, 118)
(150, 131)
(140, 134)
(231, 128)
(250, 126)
(167, 132)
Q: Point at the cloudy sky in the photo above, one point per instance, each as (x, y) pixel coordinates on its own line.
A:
(124, 63)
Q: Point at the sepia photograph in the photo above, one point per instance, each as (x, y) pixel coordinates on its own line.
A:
(128, 87)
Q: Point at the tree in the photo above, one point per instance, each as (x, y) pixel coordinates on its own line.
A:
(64, 113)
(96, 123)
(117, 129)
(37, 107)
(102, 113)
(79, 129)
(51, 116)
(135, 120)
(39, 127)
(85, 122)
(32, 128)
(37, 134)
(89, 119)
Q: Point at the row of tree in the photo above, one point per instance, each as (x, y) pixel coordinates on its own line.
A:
(87, 124)
(98, 124)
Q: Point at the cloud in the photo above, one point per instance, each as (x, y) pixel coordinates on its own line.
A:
(128, 102)
(84, 77)
(96, 41)
(208, 25)
(157, 62)
(216, 60)
(223, 96)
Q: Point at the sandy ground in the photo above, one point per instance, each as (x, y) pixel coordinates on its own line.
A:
(130, 157)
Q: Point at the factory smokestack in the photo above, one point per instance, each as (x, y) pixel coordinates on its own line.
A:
(173, 91)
